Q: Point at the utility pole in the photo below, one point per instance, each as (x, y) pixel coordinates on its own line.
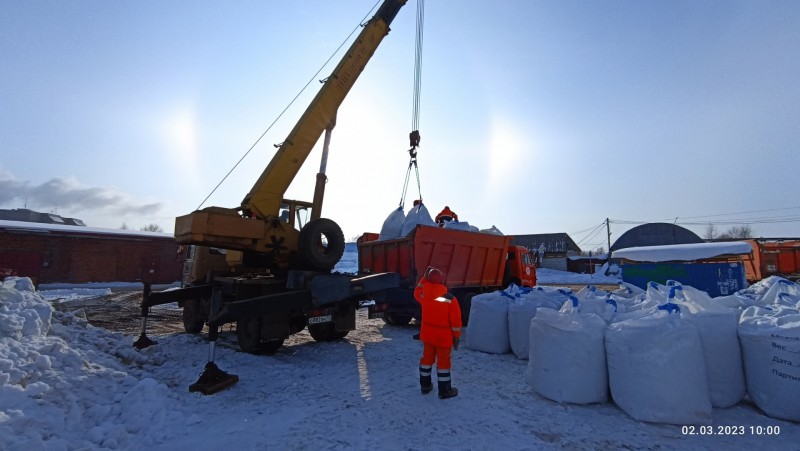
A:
(608, 233)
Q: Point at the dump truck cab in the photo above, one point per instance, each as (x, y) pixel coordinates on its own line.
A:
(520, 267)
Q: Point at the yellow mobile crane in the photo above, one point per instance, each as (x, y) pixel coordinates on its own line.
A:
(293, 287)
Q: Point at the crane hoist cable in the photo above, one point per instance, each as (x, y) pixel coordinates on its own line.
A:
(313, 77)
(414, 136)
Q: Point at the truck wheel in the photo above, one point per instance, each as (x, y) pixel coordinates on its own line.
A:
(248, 333)
(465, 304)
(193, 320)
(321, 244)
(326, 332)
(396, 319)
(271, 346)
(513, 280)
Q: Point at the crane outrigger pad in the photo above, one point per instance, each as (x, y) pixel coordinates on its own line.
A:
(213, 380)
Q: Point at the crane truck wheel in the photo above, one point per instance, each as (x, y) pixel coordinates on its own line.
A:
(193, 320)
(396, 319)
(326, 332)
(321, 244)
(248, 334)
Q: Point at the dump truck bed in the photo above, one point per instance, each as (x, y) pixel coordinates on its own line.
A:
(468, 259)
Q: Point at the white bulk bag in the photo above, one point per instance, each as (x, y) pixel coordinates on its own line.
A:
(416, 216)
(488, 323)
(567, 357)
(392, 225)
(520, 313)
(717, 326)
(770, 340)
(656, 370)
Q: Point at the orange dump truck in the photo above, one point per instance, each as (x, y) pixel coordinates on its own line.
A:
(472, 262)
(773, 257)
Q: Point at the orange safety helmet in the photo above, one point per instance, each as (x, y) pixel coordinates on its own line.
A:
(433, 275)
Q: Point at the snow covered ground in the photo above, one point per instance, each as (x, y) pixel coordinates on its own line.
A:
(66, 385)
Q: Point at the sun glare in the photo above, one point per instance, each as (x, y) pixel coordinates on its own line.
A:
(506, 143)
(181, 133)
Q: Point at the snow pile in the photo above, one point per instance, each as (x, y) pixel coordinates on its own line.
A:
(50, 389)
(22, 313)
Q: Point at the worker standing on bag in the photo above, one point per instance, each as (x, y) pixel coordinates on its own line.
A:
(440, 331)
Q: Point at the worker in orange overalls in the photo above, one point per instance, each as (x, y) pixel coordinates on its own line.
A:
(440, 331)
(446, 215)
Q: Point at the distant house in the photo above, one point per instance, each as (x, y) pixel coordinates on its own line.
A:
(25, 215)
(558, 246)
(586, 264)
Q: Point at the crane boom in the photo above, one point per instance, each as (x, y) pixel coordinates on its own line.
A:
(265, 197)
(256, 225)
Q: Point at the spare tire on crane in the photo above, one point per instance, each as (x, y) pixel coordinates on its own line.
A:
(321, 244)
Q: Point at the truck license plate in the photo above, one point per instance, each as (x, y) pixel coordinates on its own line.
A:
(320, 319)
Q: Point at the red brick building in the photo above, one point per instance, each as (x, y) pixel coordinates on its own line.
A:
(53, 253)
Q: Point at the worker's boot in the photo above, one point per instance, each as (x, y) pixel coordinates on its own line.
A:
(425, 383)
(446, 390)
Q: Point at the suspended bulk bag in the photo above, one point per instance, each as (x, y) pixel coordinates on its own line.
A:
(488, 323)
(656, 370)
(416, 216)
(717, 326)
(567, 357)
(770, 340)
(392, 225)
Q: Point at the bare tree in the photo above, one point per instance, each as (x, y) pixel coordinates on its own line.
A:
(711, 232)
(152, 228)
(737, 233)
(124, 226)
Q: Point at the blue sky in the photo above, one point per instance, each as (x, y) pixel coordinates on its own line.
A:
(536, 116)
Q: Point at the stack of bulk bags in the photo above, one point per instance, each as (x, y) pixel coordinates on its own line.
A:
(488, 323)
(522, 309)
(764, 293)
(770, 338)
(627, 291)
(656, 369)
(591, 300)
(717, 326)
(460, 225)
(567, 357)
(781, 292)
